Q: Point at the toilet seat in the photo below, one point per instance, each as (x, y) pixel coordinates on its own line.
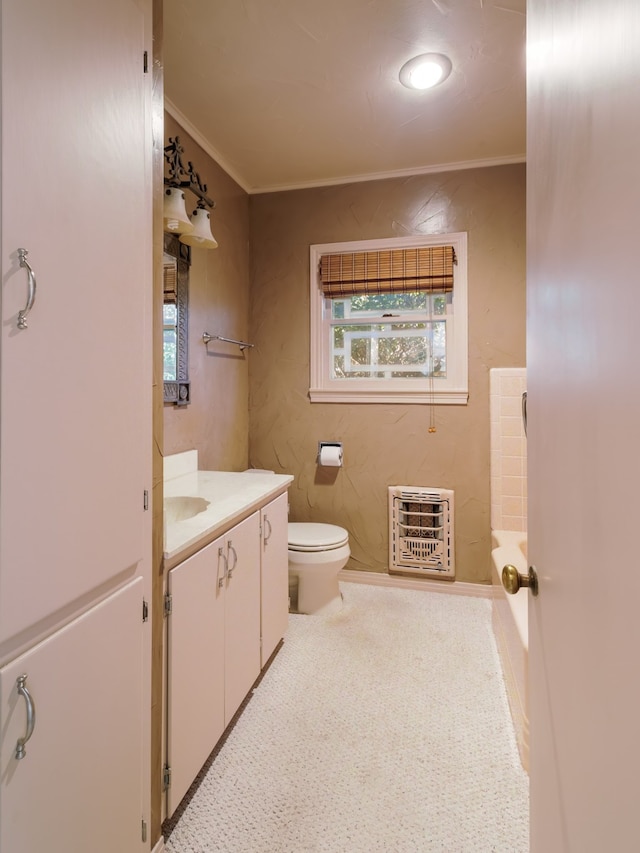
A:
(309, 537)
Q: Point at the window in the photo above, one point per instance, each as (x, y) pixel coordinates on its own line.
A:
(170, 318)
(170, 341)
(380, 331)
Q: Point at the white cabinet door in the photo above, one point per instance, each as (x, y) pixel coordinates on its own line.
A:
(75, 193)
(274, 583)
(242, 613)
(195, 677)
(79, 786)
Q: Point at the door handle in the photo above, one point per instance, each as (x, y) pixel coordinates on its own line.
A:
(31, 717)
(235, 559)
(267, 536)
(222, 556)
(513, 580)
(31, 298)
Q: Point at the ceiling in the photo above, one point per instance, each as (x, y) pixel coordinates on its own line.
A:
(294, 93)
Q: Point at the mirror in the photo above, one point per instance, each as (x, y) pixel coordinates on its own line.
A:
(175, 319)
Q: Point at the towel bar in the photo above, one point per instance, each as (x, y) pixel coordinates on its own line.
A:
(206, 337)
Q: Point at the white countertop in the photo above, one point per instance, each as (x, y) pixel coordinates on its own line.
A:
(229, 496)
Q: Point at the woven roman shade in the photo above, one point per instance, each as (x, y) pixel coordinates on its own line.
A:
(388, 271)
(170, 282)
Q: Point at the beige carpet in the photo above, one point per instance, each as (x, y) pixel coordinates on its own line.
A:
(383, 726)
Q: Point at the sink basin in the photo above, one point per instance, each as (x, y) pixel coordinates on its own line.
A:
(181, 507)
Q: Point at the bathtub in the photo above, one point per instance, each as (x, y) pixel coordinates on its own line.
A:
(510, 617)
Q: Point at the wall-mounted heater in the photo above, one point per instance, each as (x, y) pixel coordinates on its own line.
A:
(421, 531)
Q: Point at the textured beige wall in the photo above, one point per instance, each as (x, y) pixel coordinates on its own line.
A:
(385, 444)
(216, 421)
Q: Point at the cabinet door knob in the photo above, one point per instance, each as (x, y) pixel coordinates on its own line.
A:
(267, 535)
(31, 717)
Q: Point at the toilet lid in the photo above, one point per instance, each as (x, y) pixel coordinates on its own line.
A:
(308, 536)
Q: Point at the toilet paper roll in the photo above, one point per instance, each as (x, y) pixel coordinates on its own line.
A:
(331, 456)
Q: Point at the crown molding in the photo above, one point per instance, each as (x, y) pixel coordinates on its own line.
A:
(204, 143)
(396, 173)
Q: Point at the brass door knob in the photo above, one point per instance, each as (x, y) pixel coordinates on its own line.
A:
(513, 580)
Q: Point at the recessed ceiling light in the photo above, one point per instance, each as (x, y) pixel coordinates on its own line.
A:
(425, 71)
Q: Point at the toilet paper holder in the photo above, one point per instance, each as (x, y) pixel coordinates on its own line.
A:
(332, 444)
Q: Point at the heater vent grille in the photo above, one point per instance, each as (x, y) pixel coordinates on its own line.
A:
(421, 531)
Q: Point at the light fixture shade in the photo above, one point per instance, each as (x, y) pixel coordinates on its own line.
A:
(425, 71)
(201, 236)
(176, 220)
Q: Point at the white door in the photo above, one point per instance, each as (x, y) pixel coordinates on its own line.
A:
(79, 785)
(195, 666)
(73, 441)
(584, 423)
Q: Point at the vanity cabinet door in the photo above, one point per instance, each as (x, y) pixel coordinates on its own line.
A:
(196, 665)
(274, 583)
(79, 785)
(242, 612)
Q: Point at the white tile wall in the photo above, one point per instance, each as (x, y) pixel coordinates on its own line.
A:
(508, 449)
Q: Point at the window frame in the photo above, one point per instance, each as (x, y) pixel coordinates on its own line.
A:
(437, 390)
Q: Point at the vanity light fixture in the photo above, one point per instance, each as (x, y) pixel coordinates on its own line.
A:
(425, 71)
(201, 235)
(194, 231)
(176, 220)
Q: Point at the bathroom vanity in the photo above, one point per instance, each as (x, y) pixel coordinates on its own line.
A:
(226, 603)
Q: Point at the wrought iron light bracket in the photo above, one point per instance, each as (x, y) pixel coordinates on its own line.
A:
(184, 179)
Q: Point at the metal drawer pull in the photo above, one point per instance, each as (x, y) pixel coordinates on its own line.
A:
(222, 555)
(268, 535)
(31, 717)
(235, 557)
(31, 298)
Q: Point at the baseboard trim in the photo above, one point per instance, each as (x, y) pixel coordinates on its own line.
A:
(159, 848)
(474, 590)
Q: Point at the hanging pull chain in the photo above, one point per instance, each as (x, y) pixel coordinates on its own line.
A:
(432, 413)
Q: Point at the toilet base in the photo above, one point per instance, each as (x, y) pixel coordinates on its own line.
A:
(293, 592)
(316, 591)
(334, 606)
(317, 577)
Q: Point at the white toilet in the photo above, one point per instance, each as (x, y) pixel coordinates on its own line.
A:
(317, 552)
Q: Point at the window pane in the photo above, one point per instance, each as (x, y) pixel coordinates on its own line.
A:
(385, 351)
(169, 314)
(402, 350)
(169, 355)
(439, 304)
(380, 303)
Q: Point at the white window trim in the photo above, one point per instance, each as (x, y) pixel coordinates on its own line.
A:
(322, 389)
